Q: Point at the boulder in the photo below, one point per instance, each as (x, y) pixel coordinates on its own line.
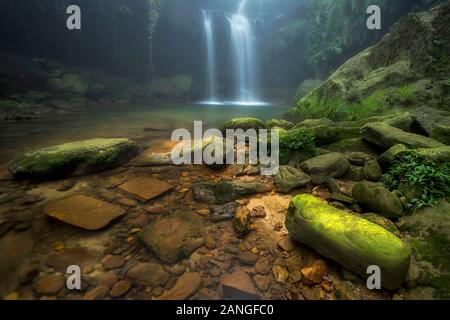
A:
(244, 124)
(349, 145)
(226, 191)
(386, 136)
(441, 133)
(74, 158)
(324, 167)
(372, 170)
(390, 155)
(382, 221)
(347, 239)
(283, 124)
(379, 199)
(289, 178)
(428, 231)
(84, 212)
(427, 119)
(173, 238)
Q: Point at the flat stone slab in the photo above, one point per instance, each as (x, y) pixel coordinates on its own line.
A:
(184, 288)
(238, 285)
(145, 189)
(84, 212)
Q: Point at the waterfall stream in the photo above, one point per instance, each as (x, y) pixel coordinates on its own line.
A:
(210, 46)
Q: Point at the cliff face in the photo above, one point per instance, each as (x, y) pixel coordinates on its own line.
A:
(409, 67)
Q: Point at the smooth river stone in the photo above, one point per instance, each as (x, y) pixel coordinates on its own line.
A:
(145, 189)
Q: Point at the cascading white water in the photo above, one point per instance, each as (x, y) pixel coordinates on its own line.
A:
(243, 56)
(210, 46)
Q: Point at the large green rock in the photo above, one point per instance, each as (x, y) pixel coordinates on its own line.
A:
(74, 158)
(349, 145)
(377, 198)
(283, 124)
(386, 136)
(428, 234)
(354, 242)
(440, 154)
(330, 165)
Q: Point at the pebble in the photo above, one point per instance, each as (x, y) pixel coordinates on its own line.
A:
(120, 288)
(97, 293)
(49, 285)
(248, 258)
(110, 262)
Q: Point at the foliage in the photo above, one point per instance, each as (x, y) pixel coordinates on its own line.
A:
(430, 179)
(298, 140)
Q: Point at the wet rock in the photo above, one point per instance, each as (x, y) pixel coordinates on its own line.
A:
(148, 273)
(378, 199)
(150, 159)
(112, 262)
(289, 178)
(238, 285)
(372, 171)
(84, 212)
(386, 136)
(322, 168)
(355, 173)
(350, 240)
(226, 191)
(223, 212)
(127, 202)
(108, 279)
(79, 256)
(75, 158)
(262, 282)
(120, 288)
(241, 222)
(145, 189)
(185, 287)
(172, 239)
(49, 285)
(248, 258)
(358, 158)
(280, 274)
(287, 244)
(155, 209)
(314, 273)
(97, 293)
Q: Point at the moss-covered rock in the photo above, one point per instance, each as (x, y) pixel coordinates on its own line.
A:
(354, 242)
(289, 178)
(74, 158)
(440, 154)
(283, 124)
(441, 133)
(428, 234)
(306, 87)
(349, 145)
(377, 198)
(244, 124)
(382, 221)
(324, 167)
(390, 155)
(372, 170)
(386, 136)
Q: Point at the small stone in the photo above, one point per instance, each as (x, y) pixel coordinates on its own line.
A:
(238, 285)
(210, 243)
(148, 273)
(49, 285)
(140, 221)
(248, 258)
(120, 288)
(145, 189)
(223, 212)
(232, 250)
(208, 294)
(333, 186)
(241, 221)
(258, 212)
(314, 273)
(127, 202)
(186, 286)
(108, 279)
(263, 267)
(112, 262)
(58, 246)
(287, 244)
(97, 293)
(155, 209)
(327, 287)
(262, 282)
(280, 274)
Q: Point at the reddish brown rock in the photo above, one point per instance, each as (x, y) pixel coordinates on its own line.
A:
(314, 273)
(186, 286)
(287, 244)
(108, 279)
(238, 285)
(262, 282)
(84, 212)
(155, 209)
(110, 262)
(145, 189)
(248, 258)
(97, 293)
(148, 273)
(49, 285)
(120, 288)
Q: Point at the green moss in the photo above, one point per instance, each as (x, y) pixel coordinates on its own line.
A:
(244, 124)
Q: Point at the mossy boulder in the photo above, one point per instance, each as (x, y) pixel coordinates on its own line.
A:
(427, 232)
(440, 154)
(441, 133)
(244, 124)
(283, 124)
(352, 241)
(306, 87)
(349, 145)
(390, 155)
(382, 221)
(378, 199)
(324, 167)
(386, 136)
(289, 178)
(372, 170)
(74, 158)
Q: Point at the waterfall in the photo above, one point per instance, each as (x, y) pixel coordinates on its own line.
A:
(208, 24)
(244, 61)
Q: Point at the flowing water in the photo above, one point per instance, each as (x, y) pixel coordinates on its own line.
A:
(210, 46)
(138, 121)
